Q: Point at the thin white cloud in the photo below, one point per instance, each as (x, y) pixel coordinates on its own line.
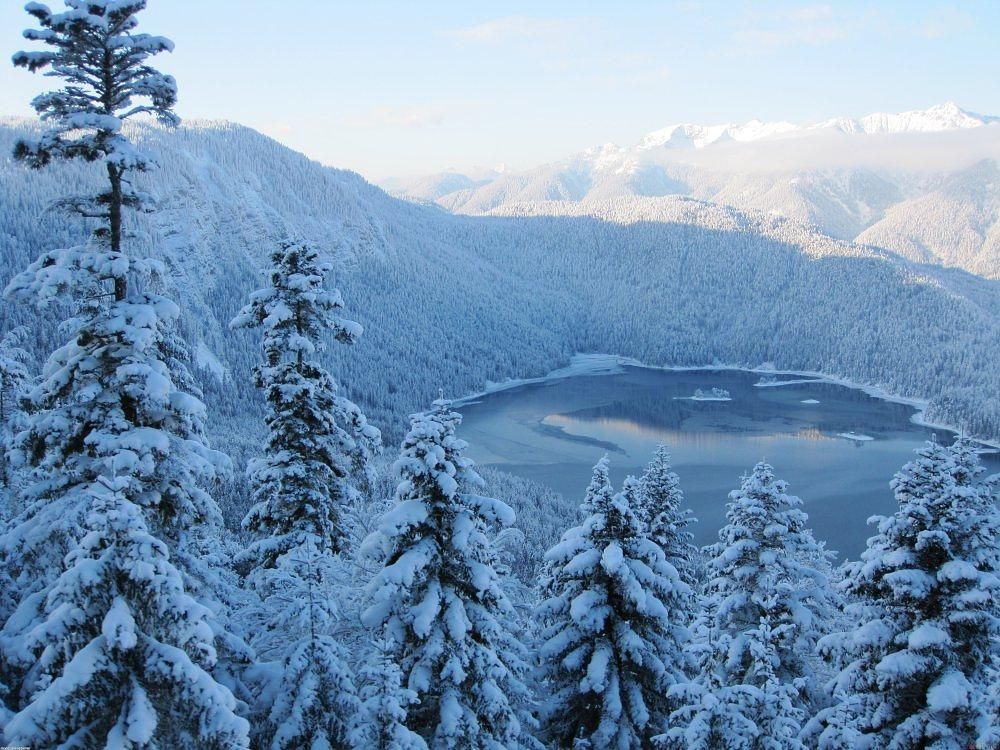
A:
(945, 22)
(398, 117)
(633, 70)
(806, 25)
(820, 24)
(812, 14)
(515, 29)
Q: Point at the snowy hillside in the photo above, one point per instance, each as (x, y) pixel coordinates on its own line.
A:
(887, 173)
(956, 224)
(664, 280)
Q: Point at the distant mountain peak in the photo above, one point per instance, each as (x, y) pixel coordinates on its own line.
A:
(940, 117)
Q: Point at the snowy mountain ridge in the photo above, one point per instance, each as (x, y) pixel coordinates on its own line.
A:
(947, 116)
(936, 119)
(877, 179)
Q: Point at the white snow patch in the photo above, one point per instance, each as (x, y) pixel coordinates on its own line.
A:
(952, 691)
(716, 394)
(765, 383)
(855, 436)
(205, 359)
(580, 365)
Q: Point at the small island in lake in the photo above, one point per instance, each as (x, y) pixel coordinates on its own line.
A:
(716, 394)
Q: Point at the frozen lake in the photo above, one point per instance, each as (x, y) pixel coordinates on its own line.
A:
(836, 446)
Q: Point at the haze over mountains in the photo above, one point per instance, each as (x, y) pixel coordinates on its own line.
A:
(921, 183)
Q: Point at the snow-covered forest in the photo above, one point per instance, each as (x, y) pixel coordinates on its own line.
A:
(664, 280)
(235, 511)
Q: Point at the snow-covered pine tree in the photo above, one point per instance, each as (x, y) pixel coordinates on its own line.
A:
(612, 631)
(115, 401)
(302, 485)
(549, 584)
(316, 438)
(124, 650)
(440, 601)
(712, 716)
(14, 375)
(309, 699)
(95, 50)
(764, 607)
(921, 664)
(386, 702)
(107, 405)
(103, 65)
(762, 713)
(661, 508)
(600, 485)
(14, 359)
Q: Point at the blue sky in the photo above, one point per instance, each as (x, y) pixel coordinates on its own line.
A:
(388, 87)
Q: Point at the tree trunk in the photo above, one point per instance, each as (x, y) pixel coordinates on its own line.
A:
(114, 176)
(115, 222)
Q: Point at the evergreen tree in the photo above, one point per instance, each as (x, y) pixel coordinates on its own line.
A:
(386, 703)
(110, 382)
(921, 666)
(95, 50)
(764, 607)
(14, 374)
(712, 716)
(310, 699)
(316, 437)
(439, 598)
(549, 580)
(612, 630)
(124, 650)
(115, 402)
(600, 484)
(14, 377)
(660, 508)
(302, 487)
(107, 406)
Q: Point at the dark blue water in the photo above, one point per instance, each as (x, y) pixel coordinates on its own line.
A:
(553, 432)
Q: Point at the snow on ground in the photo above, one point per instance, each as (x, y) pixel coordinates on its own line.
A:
(775, 383)
(809, 401)
(855, 436)
(702, 398)
(716, 394)
(579, 365)
(205, 359)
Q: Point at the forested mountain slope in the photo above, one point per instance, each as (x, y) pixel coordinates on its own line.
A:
(956, 224)
(452, 302)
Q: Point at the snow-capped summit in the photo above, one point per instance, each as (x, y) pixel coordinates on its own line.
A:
(608, 156)
(683, 136)
(941, 117)
(700, 136)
